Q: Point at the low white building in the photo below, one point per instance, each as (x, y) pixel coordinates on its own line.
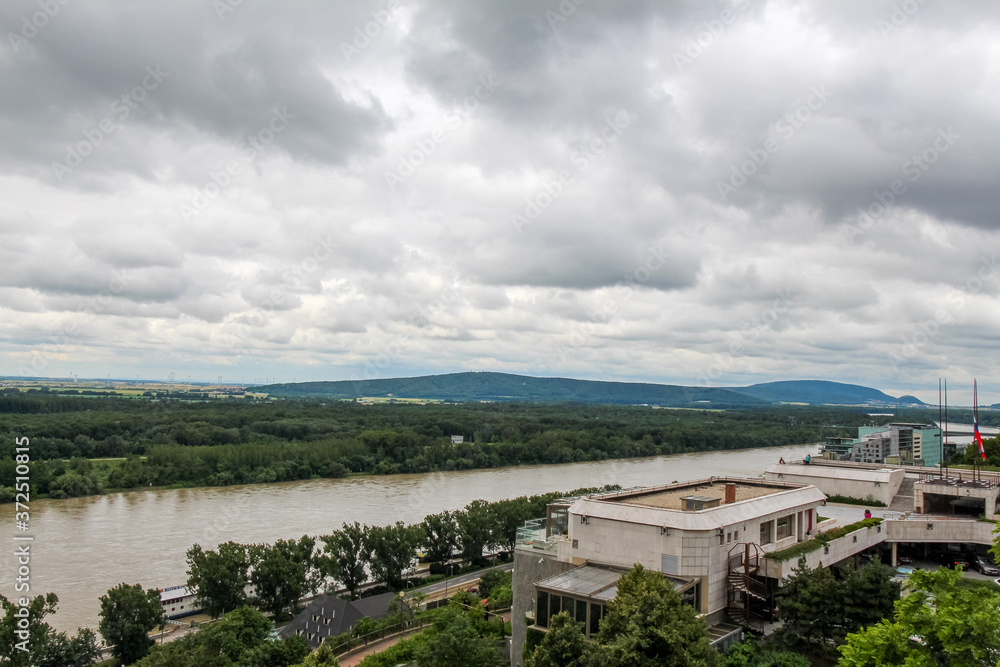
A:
(708, 537)
(853, 481)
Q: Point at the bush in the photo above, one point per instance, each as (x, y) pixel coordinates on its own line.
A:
(868, 501)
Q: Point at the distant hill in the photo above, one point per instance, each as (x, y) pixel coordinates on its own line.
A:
(823, 392)
(507, 387)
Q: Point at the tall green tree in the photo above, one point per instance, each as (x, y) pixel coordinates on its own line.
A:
(128, 613)
(393, 549)
(278, 576)
(937, 623)
(820, 609)
(508, 516)
(440, 536)
(229, 642)
(221, 576)
(475, 529)
(458, 644)
(646, 624)
(34, 643)
(348, 549)
(565, 645)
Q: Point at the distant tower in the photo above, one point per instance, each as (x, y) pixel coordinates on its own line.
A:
(173, 376)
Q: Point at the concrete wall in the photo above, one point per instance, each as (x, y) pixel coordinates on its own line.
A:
(882, 485)
(939, 530)
(527, 571)
(834, 552)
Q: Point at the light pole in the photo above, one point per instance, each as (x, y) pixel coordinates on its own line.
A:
(451, 570)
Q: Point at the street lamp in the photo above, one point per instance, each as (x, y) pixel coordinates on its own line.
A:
(451, 570)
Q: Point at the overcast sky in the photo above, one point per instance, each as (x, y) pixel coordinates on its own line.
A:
(702, 193)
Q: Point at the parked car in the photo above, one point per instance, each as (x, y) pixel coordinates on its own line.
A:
(952, 562)
(985, 566)
(902, 574)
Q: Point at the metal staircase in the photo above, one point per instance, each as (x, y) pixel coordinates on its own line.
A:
(744, 587)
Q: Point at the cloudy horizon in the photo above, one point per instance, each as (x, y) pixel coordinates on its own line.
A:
(695, 193)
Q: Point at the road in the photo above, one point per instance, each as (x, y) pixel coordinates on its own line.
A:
(438, 590)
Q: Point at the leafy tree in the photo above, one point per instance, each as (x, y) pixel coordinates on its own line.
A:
(819, 609)
(127, 615)
(647, 624)
(440, 536)
(348, 549)
(508, 516)
(492, 579)
(81, 650)
(225, 643)
(750, 653)
(392, 550)
(475, 526)
(938, 623)
(288, 651)
(322, 657)
(42, 646)
(219, 576)
(278, 576)
(565, 645)
(458, 644)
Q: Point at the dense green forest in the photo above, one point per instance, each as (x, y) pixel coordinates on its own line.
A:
(81, 446)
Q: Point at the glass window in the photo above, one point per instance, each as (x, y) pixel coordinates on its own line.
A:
(542, 610)
(596, 612)
(581, 612)
(766, 534)
(785, 527)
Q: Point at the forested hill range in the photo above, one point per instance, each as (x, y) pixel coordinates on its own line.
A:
(488, 386)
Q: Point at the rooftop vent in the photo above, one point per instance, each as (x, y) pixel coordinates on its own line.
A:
(696, 503)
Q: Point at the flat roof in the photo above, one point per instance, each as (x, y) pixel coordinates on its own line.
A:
(595, 582)
(832, 472)
(670, 498)
(660, 506)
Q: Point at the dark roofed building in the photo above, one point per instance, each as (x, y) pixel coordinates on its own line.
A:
(329, 616)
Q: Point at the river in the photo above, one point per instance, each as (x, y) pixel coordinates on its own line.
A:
(84, 546)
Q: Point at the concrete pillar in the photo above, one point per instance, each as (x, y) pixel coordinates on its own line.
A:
(895, 546)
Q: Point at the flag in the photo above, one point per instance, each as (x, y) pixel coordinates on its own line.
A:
(979, 439)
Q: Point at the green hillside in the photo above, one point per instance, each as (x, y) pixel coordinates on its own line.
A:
(822, 392)
(507, 387)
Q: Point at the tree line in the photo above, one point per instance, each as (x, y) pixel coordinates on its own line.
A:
(282, 573)
(118, 443)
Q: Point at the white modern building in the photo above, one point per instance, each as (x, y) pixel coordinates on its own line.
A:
(708, 537)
